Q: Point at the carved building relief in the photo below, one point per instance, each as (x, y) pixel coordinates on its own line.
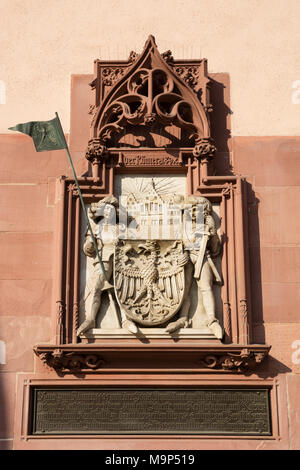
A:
(171, 233)
(161, 267)
(151, 102)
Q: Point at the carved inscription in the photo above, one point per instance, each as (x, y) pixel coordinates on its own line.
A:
(151, 411)
(151, 160)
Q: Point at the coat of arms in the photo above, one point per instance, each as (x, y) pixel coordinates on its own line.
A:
(149, 279)
(151, 265)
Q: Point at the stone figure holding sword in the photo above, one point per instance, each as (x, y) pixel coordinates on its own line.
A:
(202, 245)
(106, 234)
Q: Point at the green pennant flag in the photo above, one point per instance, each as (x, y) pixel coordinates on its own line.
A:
(46, 135)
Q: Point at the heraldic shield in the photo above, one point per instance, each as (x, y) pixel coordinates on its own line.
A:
(149, 279)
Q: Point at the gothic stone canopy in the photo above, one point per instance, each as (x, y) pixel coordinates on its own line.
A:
(151, 101)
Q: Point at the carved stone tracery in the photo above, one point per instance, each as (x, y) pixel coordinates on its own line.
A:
(112, 75)
(151, 90)
(188, 74)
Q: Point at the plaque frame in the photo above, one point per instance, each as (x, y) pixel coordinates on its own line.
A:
(24, 438)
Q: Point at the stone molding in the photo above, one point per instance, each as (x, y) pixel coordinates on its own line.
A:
(87, 358)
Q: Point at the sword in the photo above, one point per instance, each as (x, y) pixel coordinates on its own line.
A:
(199, 262)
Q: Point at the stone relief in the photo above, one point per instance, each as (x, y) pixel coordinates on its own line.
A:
(103, 215)
(149, 280)
(202, 247)
(156, 265)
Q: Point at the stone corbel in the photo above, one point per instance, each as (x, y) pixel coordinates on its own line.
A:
(204, 150)
(96, 153)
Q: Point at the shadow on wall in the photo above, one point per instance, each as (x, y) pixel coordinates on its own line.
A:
(269, 369)
(255, 292)
(272, 368)
(221, 126)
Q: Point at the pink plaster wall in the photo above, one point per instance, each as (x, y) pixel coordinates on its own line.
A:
(43, 43)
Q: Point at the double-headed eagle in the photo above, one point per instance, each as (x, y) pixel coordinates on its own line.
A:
(149, 280)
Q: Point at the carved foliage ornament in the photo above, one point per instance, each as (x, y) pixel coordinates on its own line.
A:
(70, 362)
(95, 151)
(240, 362)
(188, 74)
(204, 149)
(78, 361)
(150, 92)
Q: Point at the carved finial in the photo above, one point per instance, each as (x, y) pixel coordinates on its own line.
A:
(150, 39)
(132, 57)
(93, 84)
(167, 56)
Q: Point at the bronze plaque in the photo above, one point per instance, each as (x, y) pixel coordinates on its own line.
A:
(151, 411)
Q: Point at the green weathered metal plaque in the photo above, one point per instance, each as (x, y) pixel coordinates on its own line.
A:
(220, 411)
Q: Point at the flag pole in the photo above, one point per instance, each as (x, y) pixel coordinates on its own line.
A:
(87, 217)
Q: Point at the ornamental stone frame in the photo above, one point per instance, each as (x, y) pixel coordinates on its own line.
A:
(151, 118)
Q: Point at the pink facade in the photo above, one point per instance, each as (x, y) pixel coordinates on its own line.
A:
(29, 241)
